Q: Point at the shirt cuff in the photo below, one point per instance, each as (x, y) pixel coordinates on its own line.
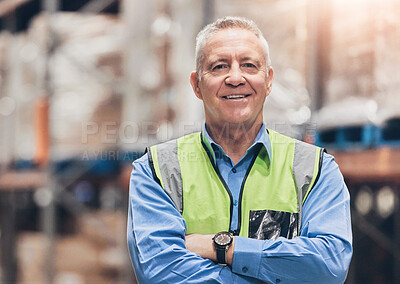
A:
(247, 256)
(227, 276)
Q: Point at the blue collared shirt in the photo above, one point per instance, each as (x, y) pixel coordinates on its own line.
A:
(320, 254)
(234, 174)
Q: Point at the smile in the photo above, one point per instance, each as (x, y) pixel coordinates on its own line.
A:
(235, 97)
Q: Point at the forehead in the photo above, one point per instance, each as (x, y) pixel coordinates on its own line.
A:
(239, 42)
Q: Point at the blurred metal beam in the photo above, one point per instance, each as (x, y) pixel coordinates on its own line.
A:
(137, 15)
(48, 213)
(396, 228)
(8, 238)
(97, 6)
(12, 185)
(208, 11)
(51, 6)
(318, 65)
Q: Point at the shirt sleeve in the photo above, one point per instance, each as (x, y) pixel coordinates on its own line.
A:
(156, 238)
(323, 250)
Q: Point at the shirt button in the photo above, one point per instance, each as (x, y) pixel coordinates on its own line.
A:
(278, 280)
(235, 202)
(234, 170)
(245, 269)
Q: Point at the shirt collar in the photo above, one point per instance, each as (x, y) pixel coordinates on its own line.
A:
(261, 138)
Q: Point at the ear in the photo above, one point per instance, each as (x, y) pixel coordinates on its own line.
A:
(270, 78)
(194, 81)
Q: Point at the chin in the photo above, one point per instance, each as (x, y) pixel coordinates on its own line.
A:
(236, 120)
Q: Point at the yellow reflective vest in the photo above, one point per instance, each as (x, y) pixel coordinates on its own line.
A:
(271, 195)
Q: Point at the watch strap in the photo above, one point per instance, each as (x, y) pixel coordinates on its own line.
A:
(221, 255)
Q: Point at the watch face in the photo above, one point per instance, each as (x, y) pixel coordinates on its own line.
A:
(223, 238)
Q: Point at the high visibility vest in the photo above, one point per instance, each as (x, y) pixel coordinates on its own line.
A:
(271, 195)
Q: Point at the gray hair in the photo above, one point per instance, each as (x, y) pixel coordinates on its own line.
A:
(227, 23)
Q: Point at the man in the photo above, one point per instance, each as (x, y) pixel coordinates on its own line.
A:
(283, 202)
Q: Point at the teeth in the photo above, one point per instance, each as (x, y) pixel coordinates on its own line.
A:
(236, 96)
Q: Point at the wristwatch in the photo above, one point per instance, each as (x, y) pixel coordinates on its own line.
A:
(222, 241)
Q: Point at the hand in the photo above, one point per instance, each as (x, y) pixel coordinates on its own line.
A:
(203, 246)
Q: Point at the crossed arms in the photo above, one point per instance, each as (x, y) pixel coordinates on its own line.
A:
(161, 253)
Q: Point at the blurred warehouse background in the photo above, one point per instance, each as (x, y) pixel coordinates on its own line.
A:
(85, 85)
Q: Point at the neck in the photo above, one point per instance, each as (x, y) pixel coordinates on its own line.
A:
(234, 139)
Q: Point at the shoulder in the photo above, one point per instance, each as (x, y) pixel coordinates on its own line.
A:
(143, 160)
(141, 167)
(277, 138)
(329, 164)
(194, 135)
(331, 181)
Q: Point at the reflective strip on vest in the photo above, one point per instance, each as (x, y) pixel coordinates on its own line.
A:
(168, 170)
(299, 169)
(306, 166)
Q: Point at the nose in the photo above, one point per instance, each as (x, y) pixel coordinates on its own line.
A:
(235, 77)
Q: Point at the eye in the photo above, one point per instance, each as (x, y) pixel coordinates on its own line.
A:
(248, 65)
(219, 67)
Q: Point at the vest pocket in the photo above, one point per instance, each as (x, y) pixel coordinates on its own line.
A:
(270, 224)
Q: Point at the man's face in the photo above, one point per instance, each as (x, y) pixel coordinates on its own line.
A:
(234, 81)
